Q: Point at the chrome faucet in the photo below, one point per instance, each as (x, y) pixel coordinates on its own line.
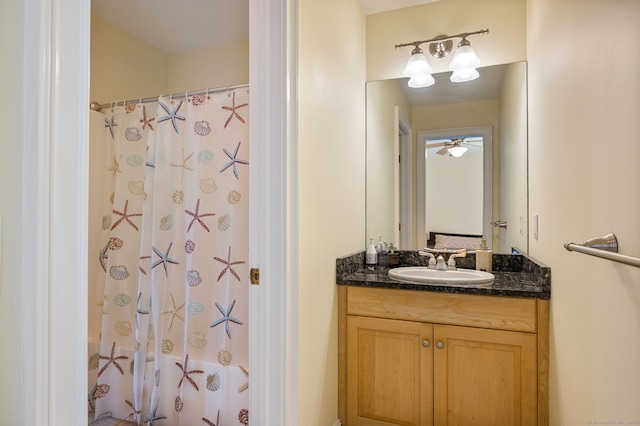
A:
(441, 265)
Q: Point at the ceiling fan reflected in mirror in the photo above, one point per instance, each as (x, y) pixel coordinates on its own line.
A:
(455, 147)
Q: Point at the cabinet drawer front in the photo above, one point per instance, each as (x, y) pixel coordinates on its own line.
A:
(502, 313)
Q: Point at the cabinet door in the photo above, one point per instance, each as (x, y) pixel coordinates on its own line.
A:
(484, 377)
(389, 372)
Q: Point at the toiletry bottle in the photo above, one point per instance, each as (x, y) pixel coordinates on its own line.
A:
(371, 255)
(393, 256)
(383, 258)
(484, 259)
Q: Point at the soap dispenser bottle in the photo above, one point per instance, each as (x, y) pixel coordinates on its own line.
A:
(371, 254)
(484, 259)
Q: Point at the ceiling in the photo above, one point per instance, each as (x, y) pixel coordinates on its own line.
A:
(172, 27)
(369, 7)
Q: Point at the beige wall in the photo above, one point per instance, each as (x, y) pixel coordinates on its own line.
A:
(11, 121)
(124, 68)
(217, 66)
(584, 104)
(330, 187)
(505, 43)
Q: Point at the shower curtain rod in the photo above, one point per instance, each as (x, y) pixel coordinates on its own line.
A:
(97, 107)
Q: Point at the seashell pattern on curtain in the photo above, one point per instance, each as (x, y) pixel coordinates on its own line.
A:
(173, 261)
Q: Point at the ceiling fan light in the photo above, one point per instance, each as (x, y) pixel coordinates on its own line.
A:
(457, 151)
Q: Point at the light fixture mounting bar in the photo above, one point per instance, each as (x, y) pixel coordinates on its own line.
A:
(441, 39)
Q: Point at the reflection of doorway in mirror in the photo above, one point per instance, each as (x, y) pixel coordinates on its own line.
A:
(451, 184)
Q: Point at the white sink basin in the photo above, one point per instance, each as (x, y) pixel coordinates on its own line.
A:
(460, 277)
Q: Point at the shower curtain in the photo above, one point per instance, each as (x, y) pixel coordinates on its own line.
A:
(173, 262)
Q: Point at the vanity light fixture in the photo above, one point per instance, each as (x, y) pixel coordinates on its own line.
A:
(464, 62)
(418, 69)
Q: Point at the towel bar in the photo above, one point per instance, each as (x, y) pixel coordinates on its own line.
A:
(605, 247)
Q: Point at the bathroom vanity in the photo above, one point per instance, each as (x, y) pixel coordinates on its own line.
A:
(441, 354)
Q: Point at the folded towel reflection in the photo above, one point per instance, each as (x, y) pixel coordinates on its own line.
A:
(454, 242)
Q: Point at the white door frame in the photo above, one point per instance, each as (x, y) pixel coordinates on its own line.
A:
(273, 307)
(54, 288)
(404, 205)
(55, 204)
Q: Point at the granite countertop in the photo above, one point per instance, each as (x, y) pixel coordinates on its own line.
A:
(516, 275)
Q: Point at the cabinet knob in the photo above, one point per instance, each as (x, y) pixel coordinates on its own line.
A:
(440, 345)
(425, 343)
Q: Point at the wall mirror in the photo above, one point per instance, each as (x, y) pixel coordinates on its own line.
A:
(416, 187)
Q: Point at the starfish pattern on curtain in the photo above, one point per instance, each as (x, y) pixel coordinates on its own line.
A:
(171, 217)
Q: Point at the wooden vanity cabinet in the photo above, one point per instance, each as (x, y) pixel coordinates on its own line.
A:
(424, 358)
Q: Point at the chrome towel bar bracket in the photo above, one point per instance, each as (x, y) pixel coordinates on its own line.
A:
(605, 247)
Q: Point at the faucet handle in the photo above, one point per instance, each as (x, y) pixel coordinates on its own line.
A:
(432, 258)
(459, 253)
(451, 263)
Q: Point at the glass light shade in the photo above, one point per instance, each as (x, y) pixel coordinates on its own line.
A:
(457, 151)
(425, 80)
(466, 74)
(417, 65)
(465, 57)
